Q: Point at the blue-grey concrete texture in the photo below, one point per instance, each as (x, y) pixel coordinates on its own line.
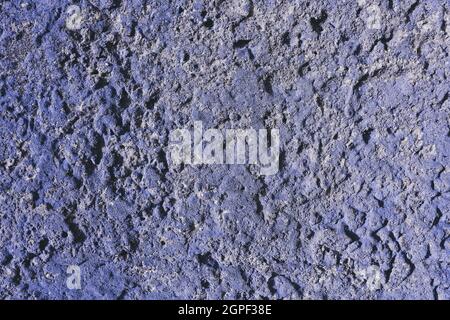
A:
(90, 90)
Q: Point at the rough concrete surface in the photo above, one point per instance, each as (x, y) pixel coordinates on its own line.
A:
(90, 91)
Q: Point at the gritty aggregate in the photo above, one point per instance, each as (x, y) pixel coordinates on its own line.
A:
(90, 90)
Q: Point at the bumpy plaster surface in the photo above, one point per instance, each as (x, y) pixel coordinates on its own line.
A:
(90, 91)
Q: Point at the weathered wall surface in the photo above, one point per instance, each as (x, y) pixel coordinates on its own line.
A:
(90, 91)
